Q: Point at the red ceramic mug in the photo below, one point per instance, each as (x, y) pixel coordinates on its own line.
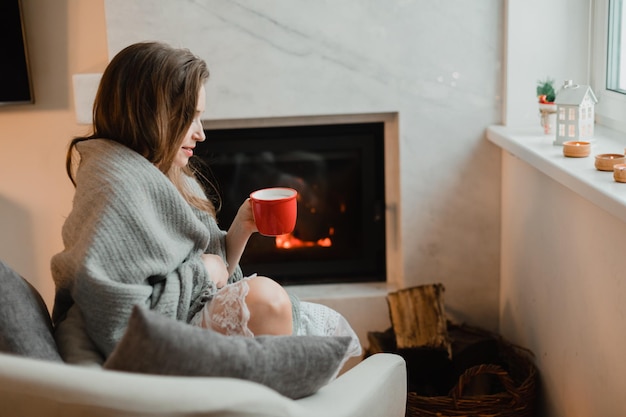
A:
(274, 210)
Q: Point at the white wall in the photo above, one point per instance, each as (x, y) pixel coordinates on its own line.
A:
(543, 39)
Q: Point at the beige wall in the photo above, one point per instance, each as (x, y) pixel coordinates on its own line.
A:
(64, 37)
(562, 291)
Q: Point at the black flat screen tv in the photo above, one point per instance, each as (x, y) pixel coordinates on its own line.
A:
(15, 81)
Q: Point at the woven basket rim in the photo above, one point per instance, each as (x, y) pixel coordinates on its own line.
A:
(520, 403)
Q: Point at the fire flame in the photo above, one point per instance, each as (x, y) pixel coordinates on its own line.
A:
(289, 241)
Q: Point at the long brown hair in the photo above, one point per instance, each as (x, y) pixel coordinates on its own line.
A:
(147, 100)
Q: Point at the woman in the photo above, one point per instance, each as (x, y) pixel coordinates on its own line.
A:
(141, 230)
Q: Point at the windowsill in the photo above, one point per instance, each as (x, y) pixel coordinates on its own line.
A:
(578, 174)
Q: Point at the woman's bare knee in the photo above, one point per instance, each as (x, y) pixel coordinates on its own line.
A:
(270, 307)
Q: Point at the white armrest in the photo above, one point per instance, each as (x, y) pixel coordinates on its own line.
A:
(29, 387)
(376, 387)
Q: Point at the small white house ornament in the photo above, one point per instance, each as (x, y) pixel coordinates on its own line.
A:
(574, 113)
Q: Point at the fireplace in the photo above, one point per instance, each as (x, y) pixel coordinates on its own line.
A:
(338, 171)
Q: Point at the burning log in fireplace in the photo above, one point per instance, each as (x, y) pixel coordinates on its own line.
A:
(289, 241)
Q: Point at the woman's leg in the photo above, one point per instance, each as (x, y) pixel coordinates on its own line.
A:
(253, 306)
(270, 307)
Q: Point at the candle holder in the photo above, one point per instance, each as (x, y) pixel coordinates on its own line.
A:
(606, 161)
(576, 149)
(619, 172)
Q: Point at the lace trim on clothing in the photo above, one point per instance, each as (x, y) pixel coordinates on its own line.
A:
(227, 312)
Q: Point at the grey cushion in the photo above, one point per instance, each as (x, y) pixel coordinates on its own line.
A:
(295, 366)
(25, 326)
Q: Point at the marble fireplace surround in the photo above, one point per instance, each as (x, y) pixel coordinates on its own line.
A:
(430, 70)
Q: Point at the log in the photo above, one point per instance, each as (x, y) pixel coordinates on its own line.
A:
(418, 317)
(380, 342)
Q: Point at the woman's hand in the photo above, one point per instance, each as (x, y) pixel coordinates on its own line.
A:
(244, 220)
(215, 266)
(240, 230)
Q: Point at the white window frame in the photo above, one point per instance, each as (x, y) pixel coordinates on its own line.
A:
(611, 108)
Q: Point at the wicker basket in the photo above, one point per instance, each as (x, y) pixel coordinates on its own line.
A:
(515, 375)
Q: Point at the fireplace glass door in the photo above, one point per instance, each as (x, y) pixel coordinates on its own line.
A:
(338, 171)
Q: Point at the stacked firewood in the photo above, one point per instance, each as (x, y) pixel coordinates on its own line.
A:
(436, 351)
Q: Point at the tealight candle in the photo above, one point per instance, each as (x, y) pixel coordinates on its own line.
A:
(576, 149)
(606, 161)
(619, 172)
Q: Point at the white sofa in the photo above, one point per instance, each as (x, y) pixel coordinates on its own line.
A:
(35, 382)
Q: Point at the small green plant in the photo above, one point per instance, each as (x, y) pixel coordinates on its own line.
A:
(545, 91)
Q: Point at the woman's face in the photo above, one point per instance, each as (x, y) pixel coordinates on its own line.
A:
(194, 134)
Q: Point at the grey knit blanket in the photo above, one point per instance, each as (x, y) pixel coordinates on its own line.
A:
(130, 239)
